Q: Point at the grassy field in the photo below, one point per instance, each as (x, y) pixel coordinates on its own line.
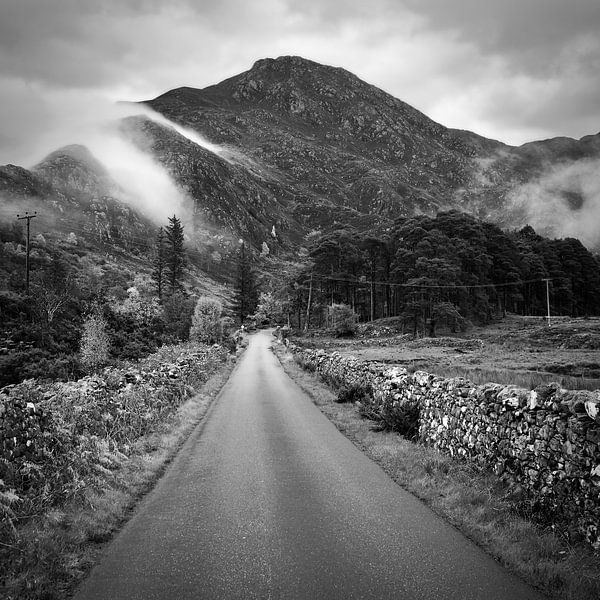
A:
(522, 351)
(476, 502)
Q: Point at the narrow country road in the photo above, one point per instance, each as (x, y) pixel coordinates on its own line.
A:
(268, 500)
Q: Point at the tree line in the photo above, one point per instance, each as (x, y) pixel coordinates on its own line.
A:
(433, 271)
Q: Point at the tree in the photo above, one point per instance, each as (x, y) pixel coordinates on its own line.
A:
(343, 319)
(207, 325)
(177, 315)
(95, 344)
(174, 255)
(52, 289)
(446, 314)
(269, 309)
(158, 272)
(246, 288)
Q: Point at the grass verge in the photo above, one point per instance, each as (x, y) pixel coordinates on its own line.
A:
(53, 552)
(477, 503)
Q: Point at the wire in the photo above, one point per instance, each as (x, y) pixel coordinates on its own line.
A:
(433, 286)
(145, 243)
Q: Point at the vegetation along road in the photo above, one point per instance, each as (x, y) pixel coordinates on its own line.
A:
(268, 500)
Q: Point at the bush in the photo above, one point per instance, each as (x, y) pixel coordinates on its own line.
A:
(66, 435)
(402, 416)
(343, 320)
(207, 326)
(354, 393)
(94, 342)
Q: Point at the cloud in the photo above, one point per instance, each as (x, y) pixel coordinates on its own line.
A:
(145, 184)
(564, 202)
(510, 70)
(48, 121)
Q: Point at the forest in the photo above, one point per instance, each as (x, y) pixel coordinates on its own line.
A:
(446, 270)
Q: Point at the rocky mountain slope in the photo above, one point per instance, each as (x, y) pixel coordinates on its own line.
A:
(334, 149)
(74, 196)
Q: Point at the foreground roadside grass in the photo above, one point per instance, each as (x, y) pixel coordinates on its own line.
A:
(53, 553)
(476, 503)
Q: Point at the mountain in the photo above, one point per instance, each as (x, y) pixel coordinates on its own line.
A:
(74, 195)
(296, 146)
(335, 150)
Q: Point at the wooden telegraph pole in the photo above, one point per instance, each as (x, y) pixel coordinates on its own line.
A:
(28, 218)
(547, 297)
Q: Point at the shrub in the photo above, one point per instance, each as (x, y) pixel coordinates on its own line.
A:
(354, 393)
(343, 320)
(94, 342)
(401, 415)
(206, 321)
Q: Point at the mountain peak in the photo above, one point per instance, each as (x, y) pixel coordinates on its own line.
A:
(74, 167)
(73, 154)
(285, 61)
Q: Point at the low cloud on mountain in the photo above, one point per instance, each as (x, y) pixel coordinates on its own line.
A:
(564, 201)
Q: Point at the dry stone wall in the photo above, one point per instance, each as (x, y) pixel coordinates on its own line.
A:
(56, 438)
(545, 441)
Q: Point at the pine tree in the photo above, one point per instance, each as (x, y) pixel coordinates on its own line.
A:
(246, 288)
(158, 273)
(174, 255)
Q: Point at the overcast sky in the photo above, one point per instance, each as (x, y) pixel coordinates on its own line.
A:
(514, 70)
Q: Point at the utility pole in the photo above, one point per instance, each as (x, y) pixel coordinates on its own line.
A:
(309, 302)
(28, 218)
(548, 298)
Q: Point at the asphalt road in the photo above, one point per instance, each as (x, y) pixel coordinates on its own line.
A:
(268, 500)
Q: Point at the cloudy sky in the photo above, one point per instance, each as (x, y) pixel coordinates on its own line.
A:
(514, 70)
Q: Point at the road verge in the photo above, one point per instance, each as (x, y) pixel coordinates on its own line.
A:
(475, 502)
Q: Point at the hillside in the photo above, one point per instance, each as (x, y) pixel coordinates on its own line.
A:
(337, 150)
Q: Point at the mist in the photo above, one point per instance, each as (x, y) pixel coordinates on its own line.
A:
(564, 202)
(57, 120)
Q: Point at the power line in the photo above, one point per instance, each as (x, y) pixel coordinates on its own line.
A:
(432, 286)
(146, 244)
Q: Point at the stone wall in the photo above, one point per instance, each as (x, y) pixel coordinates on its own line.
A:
(56, 438)
(546, 441)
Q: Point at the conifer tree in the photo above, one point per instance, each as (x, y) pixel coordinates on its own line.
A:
(174, 255)
(246, 288)
(158, 273)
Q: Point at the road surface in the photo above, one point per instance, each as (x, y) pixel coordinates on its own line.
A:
(268, 500)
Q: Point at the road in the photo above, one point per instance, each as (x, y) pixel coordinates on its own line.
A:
(268, 500)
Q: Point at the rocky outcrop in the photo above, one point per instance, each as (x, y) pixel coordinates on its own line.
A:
(545, 441)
